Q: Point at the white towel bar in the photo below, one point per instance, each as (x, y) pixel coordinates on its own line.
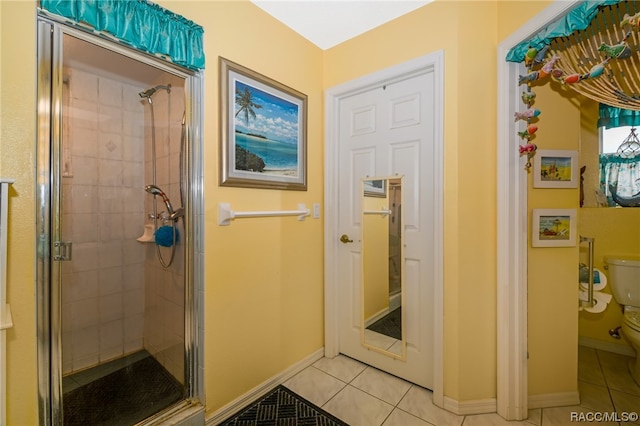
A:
(226, 215)
(383, 212)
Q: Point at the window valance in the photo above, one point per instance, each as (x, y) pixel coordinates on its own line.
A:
(610, 117)
(138, 23)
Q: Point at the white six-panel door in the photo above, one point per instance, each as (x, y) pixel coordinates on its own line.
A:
(390, 129)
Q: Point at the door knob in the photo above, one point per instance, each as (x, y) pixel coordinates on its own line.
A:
(345, 239)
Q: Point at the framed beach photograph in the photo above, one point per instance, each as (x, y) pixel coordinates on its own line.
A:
(553, 228)
(555, 169)
(263, 123)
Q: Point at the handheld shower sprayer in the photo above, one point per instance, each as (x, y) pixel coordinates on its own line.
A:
(173, 214)
(154, 190)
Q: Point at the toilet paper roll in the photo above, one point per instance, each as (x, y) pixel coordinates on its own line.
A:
(597, 308)
(605, 297)
(601, 301)
(596, 286)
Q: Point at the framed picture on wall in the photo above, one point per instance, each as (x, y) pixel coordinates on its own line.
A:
(263, 125)
(553, 228)
(555, 169)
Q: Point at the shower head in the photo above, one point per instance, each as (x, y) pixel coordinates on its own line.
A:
(154, 190)
(149, 92)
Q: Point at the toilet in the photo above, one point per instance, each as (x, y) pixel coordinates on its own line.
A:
(624, 277)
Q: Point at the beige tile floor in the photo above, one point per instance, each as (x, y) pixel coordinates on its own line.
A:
(364, 396)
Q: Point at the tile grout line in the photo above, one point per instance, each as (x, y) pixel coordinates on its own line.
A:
(345, 384)
(350, 384)
(601, 364)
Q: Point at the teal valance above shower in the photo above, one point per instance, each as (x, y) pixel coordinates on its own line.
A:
(138, 23)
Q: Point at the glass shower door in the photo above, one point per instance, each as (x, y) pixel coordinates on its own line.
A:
(117, 316)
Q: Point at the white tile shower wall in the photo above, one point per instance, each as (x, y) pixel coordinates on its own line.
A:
(103, 203)
(165, 291)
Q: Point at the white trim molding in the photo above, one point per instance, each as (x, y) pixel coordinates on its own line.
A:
(512, 401)
(560, 399)
(464, 408)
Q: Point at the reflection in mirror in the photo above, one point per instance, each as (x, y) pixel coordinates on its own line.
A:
(382, 266)
(609, 156)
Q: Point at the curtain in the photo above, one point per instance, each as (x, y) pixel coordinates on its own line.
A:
(140, 24)
(578, 19)
(610, 117)
(619, 175)
(620, 180)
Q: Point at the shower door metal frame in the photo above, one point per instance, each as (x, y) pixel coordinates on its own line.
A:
(48, 187)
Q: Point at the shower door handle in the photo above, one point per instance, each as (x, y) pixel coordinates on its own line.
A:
(64, 249)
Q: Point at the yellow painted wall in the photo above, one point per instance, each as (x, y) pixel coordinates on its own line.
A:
(513, 14)
(375, 253)
(554, 322)
(553, 271)
(263, 277)
(467, 32)
(406, 38)
(264, 289)
(17, 160)
(615, 230)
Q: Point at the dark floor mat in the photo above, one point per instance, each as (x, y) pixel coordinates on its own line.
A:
(389, 325)
(282, 406)
(123, 397)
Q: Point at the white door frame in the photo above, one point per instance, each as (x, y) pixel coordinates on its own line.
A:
(512, 220)
(433, 62)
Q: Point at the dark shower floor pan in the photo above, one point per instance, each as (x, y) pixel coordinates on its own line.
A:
(126, 396)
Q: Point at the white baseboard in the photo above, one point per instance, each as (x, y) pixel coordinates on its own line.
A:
(464, 408)
(220, 415)
(559, 399)
(377, 316)
(617, 348)
(394, 303)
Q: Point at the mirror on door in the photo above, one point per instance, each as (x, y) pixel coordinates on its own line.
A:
(382, 236)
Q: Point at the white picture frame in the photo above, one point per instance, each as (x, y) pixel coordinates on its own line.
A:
(555, 169)
(554, 228)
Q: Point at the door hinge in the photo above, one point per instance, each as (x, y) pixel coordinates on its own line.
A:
(63, 250)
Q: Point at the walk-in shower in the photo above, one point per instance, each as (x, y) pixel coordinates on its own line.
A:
(117, 315)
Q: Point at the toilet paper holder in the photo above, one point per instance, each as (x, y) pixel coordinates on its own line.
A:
(590, 302)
